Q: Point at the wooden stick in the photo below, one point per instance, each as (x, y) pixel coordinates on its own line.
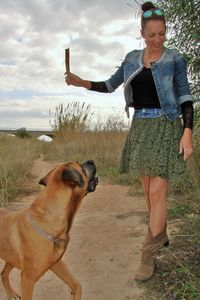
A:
(67, 66)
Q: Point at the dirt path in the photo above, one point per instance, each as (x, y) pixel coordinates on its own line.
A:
(104, 248)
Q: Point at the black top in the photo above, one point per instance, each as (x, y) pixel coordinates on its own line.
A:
(145, 95)
(144, 90)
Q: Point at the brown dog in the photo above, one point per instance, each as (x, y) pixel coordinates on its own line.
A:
(35, 239)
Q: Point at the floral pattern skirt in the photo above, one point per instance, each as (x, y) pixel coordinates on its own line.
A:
(152, 149)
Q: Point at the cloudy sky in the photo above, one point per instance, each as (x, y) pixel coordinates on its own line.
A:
(34, 35)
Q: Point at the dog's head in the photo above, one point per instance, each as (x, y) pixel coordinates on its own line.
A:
(74, 175)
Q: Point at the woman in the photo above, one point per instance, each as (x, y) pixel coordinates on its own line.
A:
(157, 146)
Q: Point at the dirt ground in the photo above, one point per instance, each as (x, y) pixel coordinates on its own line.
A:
(104, 249)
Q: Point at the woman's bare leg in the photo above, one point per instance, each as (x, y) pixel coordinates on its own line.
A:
(158, 202)
(145, 180)
(156, 236)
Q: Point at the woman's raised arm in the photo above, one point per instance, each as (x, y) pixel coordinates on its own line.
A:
(72, 79)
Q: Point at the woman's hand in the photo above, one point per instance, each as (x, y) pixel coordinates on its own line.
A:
(72, 79)
(186, 144)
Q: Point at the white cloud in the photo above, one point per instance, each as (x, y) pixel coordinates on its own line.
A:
(34, 34)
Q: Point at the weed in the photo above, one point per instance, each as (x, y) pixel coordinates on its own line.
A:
(179, 210)
(16, 158)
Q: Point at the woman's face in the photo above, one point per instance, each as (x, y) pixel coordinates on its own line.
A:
(154, 34)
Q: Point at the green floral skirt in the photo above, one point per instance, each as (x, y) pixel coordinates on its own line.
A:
(152, 148)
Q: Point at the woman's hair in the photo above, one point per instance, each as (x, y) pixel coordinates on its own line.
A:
(149, 6)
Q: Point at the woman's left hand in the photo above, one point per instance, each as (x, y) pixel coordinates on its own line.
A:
(186, 144)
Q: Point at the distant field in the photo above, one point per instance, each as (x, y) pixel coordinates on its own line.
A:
(31, 132)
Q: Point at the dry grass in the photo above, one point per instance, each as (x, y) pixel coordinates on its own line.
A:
(16, 158)
(103, 147)
(72, 142)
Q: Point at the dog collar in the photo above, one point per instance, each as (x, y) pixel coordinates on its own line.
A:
(57, 241)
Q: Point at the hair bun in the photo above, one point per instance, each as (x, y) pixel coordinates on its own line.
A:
(147, 6)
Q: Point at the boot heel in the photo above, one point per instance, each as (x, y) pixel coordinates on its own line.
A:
(166, 244)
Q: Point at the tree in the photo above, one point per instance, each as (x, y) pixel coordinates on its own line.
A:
(183, 19)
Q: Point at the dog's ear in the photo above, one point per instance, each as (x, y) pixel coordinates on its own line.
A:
(72, 177)
(44, 180)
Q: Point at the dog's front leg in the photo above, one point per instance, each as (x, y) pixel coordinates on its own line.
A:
(27, 285)
(62, 271)
(11, 294)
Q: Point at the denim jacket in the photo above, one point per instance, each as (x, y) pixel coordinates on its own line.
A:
(169, 74)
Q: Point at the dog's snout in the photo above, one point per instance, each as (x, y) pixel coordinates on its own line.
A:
(90, 169)
(92, 184)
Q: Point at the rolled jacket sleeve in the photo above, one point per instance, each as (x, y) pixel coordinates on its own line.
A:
(181, 83)
(116, 79)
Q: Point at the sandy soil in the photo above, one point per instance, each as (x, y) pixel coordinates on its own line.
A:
(104, 249)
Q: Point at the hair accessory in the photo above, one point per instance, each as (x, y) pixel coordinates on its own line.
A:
(157, 11)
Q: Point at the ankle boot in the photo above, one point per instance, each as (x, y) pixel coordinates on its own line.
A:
(149, 251)
(164, 239)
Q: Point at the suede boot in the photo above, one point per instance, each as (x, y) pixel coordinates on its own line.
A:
(149, 251)
(164, 239)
